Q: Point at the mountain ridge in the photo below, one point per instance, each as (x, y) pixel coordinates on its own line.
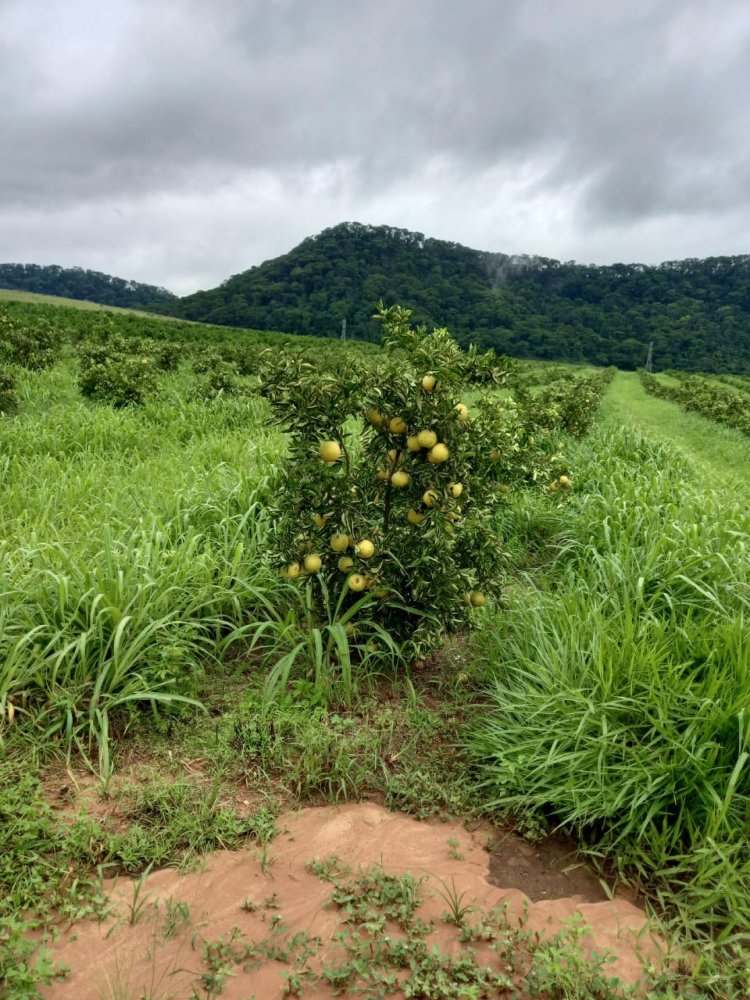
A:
(696, 311)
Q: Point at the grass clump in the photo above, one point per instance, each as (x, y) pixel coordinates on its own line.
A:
(620, 693)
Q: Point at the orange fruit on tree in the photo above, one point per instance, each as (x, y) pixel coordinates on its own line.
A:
(438, 454)
(330, 451)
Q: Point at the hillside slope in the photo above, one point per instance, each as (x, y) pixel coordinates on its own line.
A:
(697, 312)
(78, 283)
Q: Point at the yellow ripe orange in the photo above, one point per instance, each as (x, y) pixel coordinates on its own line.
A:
(462, 410)
(553, 488)
(292, 571)
(414, 517)
(438, 454)
(365, 549)
(383, 475)
(477, 599)
(357, 582)
(400, 479)
(345, 563)
(428, 382)
(339, 542)
(455, 489)
(330, 451)
(394, 456)
(429, 498)
(565, 482)
(413, 443)
(427, 438)
(312, 563)
(396, 425)
(373, 417)
(319, 520)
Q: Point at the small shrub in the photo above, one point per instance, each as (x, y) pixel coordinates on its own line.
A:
(8, 397)
(112, 371)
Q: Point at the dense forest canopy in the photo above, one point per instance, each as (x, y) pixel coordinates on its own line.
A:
(697, 312)
(78, 283)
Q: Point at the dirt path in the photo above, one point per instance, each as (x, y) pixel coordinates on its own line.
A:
(154, 944)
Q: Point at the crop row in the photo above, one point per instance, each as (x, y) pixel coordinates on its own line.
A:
(699, 395)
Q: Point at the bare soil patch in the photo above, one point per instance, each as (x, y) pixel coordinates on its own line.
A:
(155, 942)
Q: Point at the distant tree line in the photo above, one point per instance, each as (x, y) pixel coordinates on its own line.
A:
(697, 312)
(78, 283)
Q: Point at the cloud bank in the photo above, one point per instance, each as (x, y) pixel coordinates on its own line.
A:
(177, 142)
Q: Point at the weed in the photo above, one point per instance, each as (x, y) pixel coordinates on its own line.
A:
(176, 918)
(457, 909)
(136, 906)
(454, 853)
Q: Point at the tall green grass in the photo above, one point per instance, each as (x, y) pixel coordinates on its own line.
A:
(620, 699)
(131, 548)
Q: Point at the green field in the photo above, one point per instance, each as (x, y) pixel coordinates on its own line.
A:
(35, 298)
(603, 689)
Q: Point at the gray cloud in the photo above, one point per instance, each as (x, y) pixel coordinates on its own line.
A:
(178, 142)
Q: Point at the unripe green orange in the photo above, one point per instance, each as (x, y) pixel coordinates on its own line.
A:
(438, 454)
(504, 488)
(339, 542)
(365, 549)
(400, 479)
(427, 438)
(477, 599)
(373, 417)
(330, 451)
(313, 562)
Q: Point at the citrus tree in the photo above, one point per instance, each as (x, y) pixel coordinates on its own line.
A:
(8, 397)
(387, 495)
(111, 370)
(28, 346)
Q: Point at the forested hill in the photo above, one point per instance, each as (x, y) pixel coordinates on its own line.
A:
(77, 283)
(697, 312)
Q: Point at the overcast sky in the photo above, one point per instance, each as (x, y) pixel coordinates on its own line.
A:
(181, 141)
